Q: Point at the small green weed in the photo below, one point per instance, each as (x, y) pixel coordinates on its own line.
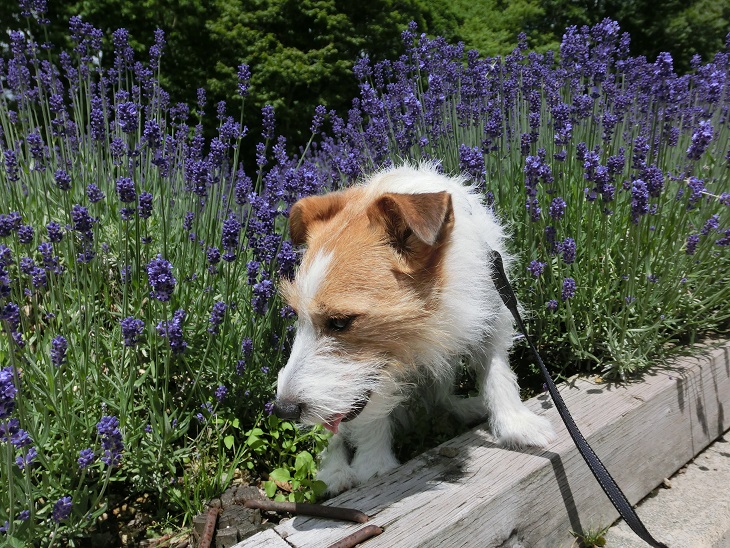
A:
(286, 453)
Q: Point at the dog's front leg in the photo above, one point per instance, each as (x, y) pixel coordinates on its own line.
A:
(372, 440)
(510, 420)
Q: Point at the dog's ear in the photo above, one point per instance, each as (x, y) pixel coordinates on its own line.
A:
(427, 218)
(310, 210)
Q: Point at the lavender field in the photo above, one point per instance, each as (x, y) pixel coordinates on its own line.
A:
(139, 259)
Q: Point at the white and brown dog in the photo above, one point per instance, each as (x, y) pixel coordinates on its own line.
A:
(394, 291)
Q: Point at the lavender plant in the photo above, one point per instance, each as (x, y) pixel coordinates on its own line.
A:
(611, 172)
(137, 271)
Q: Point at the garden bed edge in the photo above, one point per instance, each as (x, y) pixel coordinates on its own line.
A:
(471, 492)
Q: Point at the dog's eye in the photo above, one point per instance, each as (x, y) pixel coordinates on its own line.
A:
(339, 323)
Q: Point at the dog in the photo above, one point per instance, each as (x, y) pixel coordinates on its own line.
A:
(393, 292)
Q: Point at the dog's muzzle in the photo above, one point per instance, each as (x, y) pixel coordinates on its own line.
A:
(287, 410)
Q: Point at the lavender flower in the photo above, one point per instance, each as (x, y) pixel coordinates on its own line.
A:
(552, 305)
(724, 240)
(173, 331)
(691, 245)
(159, 272)
(82, 221)
(132, 328)
(569, 287)
(639, 200)
(94, 193)
(700, 140)
(145, 205)
(126, 190)
(9, 223)
(220, 393)
(267, 119)
(247, 347)
(27, 458)
(63, 180)
(11, 314)
(111, 440)
(11, 166)
(216, 316)
(262, 292)
(26, 234)
(86, 458)
(230, 240)
(471, 161)
(127, 117)
(567, 248)
(319, 113)
(62, 509)
(557, 208)
(5, 282)
(158, 47)
(711, 225)
(697, 189)
(536, 268)
(213, 255)
(59, 345)
(6, 256)
(7, 392)
(244, 77)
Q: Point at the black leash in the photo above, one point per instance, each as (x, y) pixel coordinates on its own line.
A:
(608, 484)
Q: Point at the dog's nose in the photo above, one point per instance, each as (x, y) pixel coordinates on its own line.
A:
(287, 410)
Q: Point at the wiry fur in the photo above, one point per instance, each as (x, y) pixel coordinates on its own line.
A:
(411, 273)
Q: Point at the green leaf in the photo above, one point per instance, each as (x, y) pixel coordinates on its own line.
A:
(228, 442)
(270, 488)
(280, 474)
(304, 461)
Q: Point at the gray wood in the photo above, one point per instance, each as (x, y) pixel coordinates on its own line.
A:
(470, 492)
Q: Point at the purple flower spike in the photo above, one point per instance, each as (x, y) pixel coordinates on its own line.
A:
(62, 509)
(59, 345)
(126, 190)
(173, 331)
(86, 458)
(569, 287)
(63, 180)
(111, 440)
(700, 140)
(557, 208)
(145, 205)
(161, 279)
(216, 316)
(132, 328)
(244, 77)
(536, 268)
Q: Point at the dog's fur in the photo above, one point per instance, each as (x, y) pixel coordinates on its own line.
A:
(394, 290)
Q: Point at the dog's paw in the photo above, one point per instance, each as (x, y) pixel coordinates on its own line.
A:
(524, 428)
(337, 479)
(369, 465)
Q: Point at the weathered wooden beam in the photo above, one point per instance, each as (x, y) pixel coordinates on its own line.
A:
(470, 492)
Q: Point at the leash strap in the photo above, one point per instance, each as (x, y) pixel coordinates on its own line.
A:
(609, 485)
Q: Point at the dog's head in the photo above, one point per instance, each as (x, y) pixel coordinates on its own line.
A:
(367, 286)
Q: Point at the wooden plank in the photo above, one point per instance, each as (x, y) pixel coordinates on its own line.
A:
(485, 496)
(268, 538)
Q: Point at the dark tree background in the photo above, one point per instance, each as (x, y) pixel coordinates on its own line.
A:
(301, 52)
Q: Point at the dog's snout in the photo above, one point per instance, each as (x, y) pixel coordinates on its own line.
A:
(287, 410)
